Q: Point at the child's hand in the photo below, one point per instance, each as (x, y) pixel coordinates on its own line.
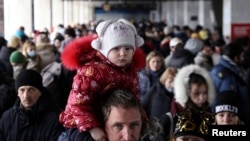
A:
(98, 134)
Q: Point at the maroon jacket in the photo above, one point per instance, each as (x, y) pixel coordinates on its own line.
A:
(95, 76)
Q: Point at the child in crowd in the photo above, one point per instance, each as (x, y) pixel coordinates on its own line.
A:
(194, 89)
(226, 108)
(167, 78)
(157, 100)
(109, 61)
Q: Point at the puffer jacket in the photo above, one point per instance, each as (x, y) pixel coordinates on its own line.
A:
(95, 76)
(228, 76)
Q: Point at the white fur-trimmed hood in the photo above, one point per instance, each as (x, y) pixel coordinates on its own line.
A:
(181, 78)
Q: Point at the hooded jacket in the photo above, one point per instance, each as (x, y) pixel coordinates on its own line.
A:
(95, 76)
(180, 57)
(180, 88)
(228, 76)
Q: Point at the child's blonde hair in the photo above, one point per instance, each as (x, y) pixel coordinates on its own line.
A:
(170, 72)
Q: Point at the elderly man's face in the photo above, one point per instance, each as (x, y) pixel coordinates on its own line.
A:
(29, 96)
(123, 124)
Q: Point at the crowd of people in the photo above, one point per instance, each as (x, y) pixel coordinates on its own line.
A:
(121, 80)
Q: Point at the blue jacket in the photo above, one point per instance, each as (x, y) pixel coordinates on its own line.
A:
(227, 76)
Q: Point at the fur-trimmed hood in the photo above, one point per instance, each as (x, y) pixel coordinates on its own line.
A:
(80, 51)
(180, 89)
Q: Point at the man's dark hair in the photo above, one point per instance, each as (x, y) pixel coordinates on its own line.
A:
(232, 50)
(118, 98)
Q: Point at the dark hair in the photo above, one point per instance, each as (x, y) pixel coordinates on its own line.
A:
(242, 41)
(232, 50)
(207, 42)
(22, 28)
(70, 31)
(118, 98)
(3, 41)
(126, 99)
(219, 42)
(59, 37)
(199, 80)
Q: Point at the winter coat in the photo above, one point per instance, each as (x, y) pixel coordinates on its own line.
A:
(181, 57)
(38, 124)
(154, 97)
(7, 95)
(203, 60)
(156, 101)
(95, 76)
(5, 53)
(180, 88)
(58, 80)
(72, 134)
(227, 76)
(147, 79)
(34, 63)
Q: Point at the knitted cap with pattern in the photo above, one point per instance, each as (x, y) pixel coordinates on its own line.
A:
(115, 34)
(227, 101)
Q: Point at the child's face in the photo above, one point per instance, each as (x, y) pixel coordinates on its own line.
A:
(169, 83)
(121, 56)
(226, 118)
(198, 94)
(155, 63)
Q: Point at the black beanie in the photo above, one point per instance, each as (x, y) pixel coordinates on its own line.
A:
(227, 101)
(29, 78)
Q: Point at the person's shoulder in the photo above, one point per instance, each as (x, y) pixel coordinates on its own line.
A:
(220, 71)
(75, 135)
(9, 114)
(144, 71)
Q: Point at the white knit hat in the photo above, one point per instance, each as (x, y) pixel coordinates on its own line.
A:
(115, 34)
